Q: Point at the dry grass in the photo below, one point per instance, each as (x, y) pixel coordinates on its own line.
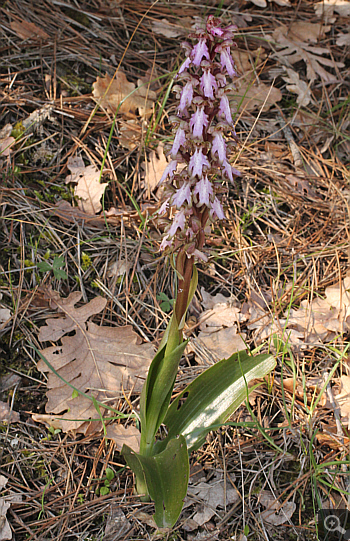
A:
(288, 220)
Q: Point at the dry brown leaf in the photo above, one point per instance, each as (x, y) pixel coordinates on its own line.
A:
(310, 390)
(343, 398)
(89, 190)
(5, 504)
(323, 317)
(255, 96)
(275, 513)
(5, 146)
(99, 361)
(211, 496)
(299, 87)
(117, 525)
(26, 30)
(326, 9)
(130, 133)
(263, 3)
(110, 95)
(171, 30)
(154, 168)
(292, 40)
(5, 315)
(223, 343)
(7, 415)
(120, 435)
(343, 40)
(330, 436)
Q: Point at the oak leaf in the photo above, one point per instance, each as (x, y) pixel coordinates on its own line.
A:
(275, 513)
(99, 361)
(299, 87)
(120, 91)
(293, 48)
(88, 188)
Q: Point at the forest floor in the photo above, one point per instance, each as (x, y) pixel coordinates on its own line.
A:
(78, 197)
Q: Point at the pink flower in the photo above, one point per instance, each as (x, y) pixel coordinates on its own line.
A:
(217, 209)
(213, 26)
(219, 147)
(169, 170)
(208, 83)
(230, 171)
(178, 223)
(186, 96)
(165, 243)
(226, 61)
(163, 207)
(225, 111)
(198, 51)
(185, 65)
(197, 162)
(199, 121)
(181, 195)
(204, 190)
(180, 140)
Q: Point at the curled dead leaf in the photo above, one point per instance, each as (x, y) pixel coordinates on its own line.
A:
(119, 91)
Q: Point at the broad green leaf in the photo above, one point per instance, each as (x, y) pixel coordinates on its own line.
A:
(166, 475)
(213, 396)
(156, 394)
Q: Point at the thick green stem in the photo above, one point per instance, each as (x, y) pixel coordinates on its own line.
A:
(184, 265)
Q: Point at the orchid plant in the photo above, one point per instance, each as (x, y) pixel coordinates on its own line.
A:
(194, 186)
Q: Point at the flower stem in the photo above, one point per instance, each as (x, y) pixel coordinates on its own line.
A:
(184, 265)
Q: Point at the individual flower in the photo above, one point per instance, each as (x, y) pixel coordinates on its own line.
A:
(198, 51)
(230, 171)
(180, 140)
(186, 96)
(216, 207)
(182, 195)
(169, 170)
(185, 65)
(208, 84)
(226, 61)
(178, 223)
(224, 110)
(197, 162)
(198, 122)
(204, 190)
(218, 147)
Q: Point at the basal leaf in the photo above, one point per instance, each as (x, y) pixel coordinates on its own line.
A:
(166, 476)
(213, 396)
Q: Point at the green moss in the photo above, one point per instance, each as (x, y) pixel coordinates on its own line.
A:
(18, 130)
(86, 262)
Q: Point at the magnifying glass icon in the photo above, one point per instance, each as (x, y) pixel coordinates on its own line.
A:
(332, 524)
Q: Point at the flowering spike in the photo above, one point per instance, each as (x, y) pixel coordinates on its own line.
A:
(203, 120)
